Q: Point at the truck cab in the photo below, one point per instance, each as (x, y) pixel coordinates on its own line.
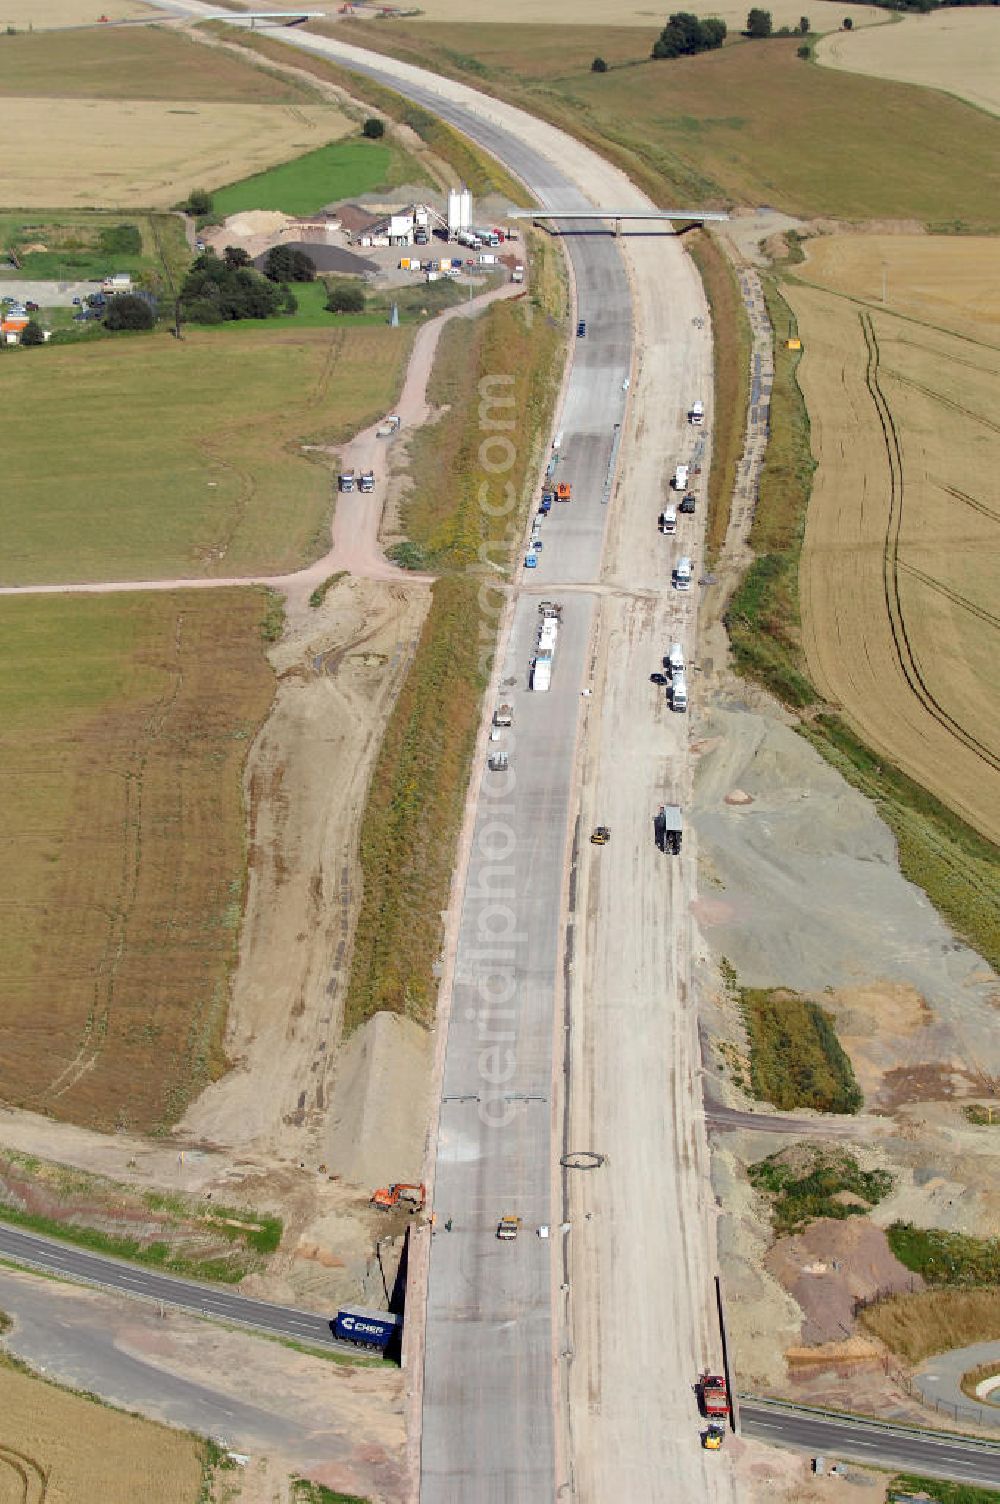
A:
(345, 481)
(682, 574)
(668, 520)
(368, 481)
(675, 659)
(678, 693)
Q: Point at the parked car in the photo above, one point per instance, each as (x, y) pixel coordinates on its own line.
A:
(581, 329)
(31, 307)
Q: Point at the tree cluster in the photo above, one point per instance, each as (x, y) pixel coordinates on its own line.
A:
(345, 297)
(284, 264)
(126, 311)
(215, 292)
(684, 35)
(759, 23)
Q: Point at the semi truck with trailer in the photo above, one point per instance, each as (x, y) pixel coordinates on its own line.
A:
(375, 1329)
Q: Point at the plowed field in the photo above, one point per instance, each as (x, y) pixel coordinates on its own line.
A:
(900, 560)
(124, 725)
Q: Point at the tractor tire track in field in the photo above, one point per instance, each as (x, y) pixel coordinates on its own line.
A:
(30, 1479)
(905, 656)
(952, 595)
(928, 391)
(970, 501)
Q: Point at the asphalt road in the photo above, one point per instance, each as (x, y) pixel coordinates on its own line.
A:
(937, 1456)
(205, 1300)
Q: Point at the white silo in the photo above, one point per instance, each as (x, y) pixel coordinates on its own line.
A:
(465, 209)
(454, 211)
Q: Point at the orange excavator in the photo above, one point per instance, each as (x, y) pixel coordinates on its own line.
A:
(391, 1196)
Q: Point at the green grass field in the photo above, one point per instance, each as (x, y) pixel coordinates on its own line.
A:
(341, 170)
(751, 123)
(136, 62)
(166, 458)
(79, 245)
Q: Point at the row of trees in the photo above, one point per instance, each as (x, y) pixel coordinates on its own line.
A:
(686, 34)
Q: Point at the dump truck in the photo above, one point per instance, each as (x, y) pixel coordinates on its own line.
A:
(498, 762)
(410, 1196)
(367, 481)
(366, 1328)
(345, 480)
(390, 426)
(503, 715)
(508, 1228)
(714, 1395)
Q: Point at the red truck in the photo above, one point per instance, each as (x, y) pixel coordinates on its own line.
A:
(714, 1396)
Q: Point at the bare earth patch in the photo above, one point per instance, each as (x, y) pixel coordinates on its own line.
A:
(953, 50)
(831, 1264)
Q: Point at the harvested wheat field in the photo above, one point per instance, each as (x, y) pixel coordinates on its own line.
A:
(898, 574)
(60, 1448)
(121, 153)
(953, 50)
(55, 14)
(125, 722)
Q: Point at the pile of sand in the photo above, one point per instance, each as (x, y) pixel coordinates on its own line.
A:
(829, 1266)
(257, 222)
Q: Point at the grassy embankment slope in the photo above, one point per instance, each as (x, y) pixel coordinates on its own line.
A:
(416, 800)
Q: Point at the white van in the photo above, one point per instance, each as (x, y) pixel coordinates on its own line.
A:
(668, 520)
(675, 659)
(678, 693)
(682, 574)
(697, 414)
(681, 478)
